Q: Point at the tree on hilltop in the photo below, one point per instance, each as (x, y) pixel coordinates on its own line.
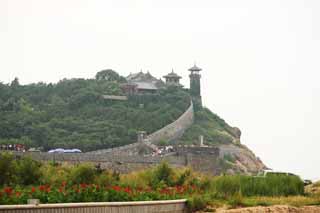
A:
(109, 75)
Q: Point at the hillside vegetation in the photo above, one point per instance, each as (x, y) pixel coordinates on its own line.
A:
(25, 178)
(214, 129)
(73, 114)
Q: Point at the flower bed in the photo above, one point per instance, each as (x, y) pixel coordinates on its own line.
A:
(91, 193)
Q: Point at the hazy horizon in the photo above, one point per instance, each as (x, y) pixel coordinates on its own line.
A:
(260, 59)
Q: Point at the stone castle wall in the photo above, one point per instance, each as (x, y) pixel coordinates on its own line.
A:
(125, 159)
(193, 156)
(175, 129)
(117, 150)
(170, 132)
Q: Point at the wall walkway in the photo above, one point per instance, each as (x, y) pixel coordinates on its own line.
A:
(175, 129)
(170, 132)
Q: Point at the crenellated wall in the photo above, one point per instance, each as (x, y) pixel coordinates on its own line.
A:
(175, 129)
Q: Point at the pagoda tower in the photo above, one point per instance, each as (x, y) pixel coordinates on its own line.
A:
(195, 86)
(173, 79)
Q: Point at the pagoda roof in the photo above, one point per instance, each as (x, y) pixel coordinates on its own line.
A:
(144, 81)
(195, 68)
(172, 75)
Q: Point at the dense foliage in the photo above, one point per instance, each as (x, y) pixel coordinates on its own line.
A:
(22, 171)
(53, 183)
(214, 129)
(73, 114)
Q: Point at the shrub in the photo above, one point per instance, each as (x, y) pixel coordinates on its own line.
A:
(280, 185)
(183, 177)
(28, 171)
(83, 173)
(236, 200)
(23, 170)
(8, 167)
(196, 203)
(163, 174)
(106, 179)
(54, 174)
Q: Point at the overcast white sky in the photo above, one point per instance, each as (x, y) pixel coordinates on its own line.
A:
(260, 59)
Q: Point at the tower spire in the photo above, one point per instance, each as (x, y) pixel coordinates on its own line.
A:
(195, 86)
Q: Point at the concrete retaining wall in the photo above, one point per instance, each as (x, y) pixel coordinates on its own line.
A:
(167, 206)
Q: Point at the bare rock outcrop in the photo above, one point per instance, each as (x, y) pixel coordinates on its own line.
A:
(244, 160)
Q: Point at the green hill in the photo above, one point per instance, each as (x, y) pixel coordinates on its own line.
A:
(73, 114)
(214, 129)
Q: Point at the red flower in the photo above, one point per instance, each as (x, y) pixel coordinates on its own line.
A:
(18, 194)
(165, 191)
(97, 187)
(8, 190)
(127, 190)
(64, 183)
(83, 185)
(60, 189)
(33, 190)
(180, 189)
(149, 189)
(48, 189)
(116, 188)
(193, 187)
(42, 187)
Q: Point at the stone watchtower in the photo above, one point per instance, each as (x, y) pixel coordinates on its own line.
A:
(195, 87)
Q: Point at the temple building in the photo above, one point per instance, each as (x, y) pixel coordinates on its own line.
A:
(173, 79)
(140, 83)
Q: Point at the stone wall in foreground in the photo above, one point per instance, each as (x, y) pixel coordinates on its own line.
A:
(165, 206)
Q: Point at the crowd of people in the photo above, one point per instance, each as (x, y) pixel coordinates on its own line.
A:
(13, 147)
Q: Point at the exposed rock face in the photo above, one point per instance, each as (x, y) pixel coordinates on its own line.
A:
(237, 132)
(275, 209)
(243, 159)
(313, 188)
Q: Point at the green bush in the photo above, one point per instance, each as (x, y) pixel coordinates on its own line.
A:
(28, 171)
(280, 185)
(196, 203)
(8, 167)
(16, 170)
(235, 200)
(83, 173)
(183, 177)
(163, 174)
(54, 174)
(106, 179)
